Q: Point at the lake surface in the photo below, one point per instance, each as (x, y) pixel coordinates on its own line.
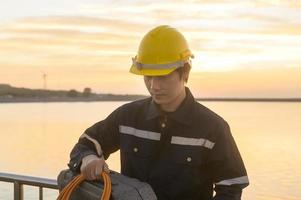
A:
(36, 139)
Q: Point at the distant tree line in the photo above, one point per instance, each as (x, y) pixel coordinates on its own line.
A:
(9, 91)
(87, 92)
(14, 94)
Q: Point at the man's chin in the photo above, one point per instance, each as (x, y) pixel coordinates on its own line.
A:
(159, 99)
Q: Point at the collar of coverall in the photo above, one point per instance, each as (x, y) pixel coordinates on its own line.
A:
(182, 115)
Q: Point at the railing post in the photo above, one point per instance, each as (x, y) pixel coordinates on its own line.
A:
(40, 193)
(18, 191)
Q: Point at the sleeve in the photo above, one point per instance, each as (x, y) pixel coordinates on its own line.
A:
(101, 139)
(227, 167)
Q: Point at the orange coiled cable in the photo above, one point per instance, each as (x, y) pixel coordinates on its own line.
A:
(76, 181)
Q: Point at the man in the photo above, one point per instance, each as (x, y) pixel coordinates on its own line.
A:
(178, 146)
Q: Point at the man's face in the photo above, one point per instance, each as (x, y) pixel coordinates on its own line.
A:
(165, 89)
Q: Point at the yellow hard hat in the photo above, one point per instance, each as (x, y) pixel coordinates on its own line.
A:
(161, 51)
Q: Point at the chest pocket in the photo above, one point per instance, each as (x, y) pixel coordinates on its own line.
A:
(187, 155)
(141, 143)
(138, 147)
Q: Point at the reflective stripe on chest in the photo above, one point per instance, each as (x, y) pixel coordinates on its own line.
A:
(192, 141)
(139, 133)
(150, 135)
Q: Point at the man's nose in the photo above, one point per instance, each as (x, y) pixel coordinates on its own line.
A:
(154, 83)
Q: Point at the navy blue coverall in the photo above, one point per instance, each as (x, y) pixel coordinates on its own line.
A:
(184, 154)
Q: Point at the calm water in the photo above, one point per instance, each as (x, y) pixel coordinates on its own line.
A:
(36, 139)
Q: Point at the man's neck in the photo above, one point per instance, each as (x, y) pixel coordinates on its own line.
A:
(173, 105)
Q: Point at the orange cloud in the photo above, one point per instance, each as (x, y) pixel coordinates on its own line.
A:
(224, 36)
(275, 82)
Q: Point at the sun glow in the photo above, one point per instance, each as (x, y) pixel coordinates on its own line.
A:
(86, 40)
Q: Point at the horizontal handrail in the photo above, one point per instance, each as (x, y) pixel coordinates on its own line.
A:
(29, 180)
(20, 180)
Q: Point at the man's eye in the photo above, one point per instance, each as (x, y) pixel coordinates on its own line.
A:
(163, 77)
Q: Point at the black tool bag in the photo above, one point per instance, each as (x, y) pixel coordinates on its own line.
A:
(123, 188)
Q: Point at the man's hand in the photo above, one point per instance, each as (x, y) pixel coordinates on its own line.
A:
(92, 167)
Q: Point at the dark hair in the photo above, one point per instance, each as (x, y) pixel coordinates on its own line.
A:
(182, 70)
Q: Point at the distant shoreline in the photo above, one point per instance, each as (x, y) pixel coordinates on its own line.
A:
(251, 99)
(66, 99)
(129, 98)
(9, 94)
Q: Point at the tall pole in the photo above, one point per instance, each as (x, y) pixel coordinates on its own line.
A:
(44, 81)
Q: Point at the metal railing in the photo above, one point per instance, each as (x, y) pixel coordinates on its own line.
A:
(20, 180)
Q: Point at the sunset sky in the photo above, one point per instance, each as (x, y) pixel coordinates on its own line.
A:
(249, 48)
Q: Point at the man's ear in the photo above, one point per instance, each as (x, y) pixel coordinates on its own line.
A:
(186, 72)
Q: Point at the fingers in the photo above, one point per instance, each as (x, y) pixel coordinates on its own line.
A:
(93, 169)
(97, 172)
(106, 168)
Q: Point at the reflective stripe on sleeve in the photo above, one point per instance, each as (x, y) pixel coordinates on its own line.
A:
(139, 133)
(232, 181)
(95, 142)
(192, 141)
